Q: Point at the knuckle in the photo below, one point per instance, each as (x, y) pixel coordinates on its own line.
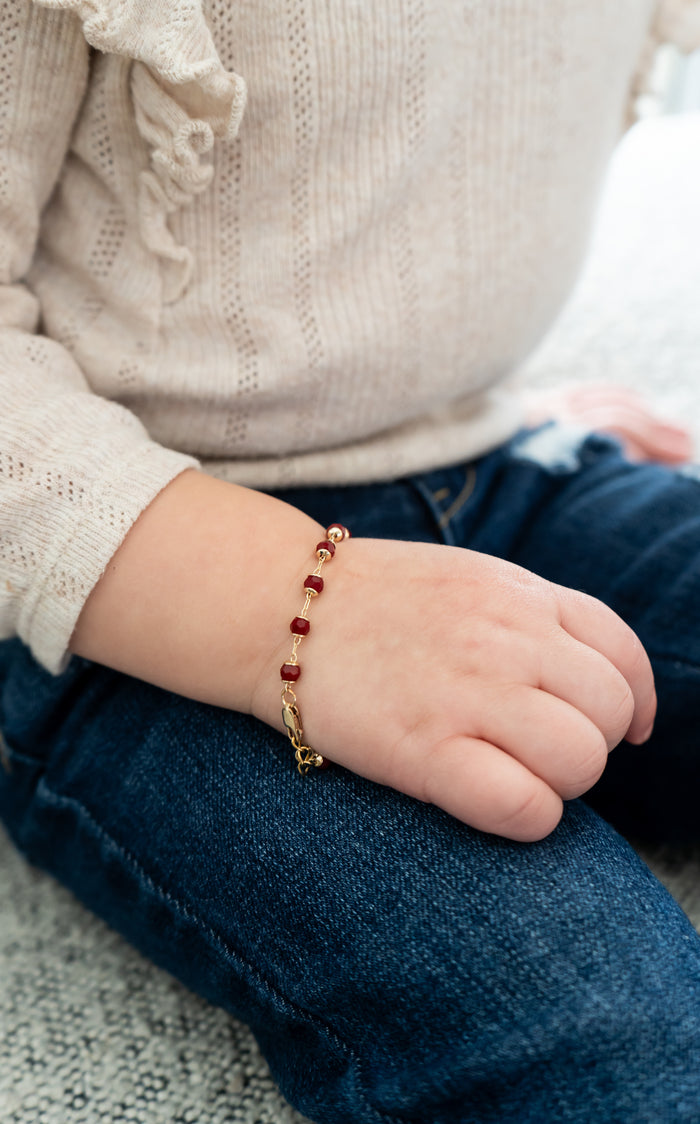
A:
(628, 647)
(528, 815)
(431, 770)
(522, 589)
(565, 598)
(637, 656)
(591, 761)
(620, 712)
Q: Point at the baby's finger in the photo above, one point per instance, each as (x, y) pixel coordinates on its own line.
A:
(488, 789)
(588, 681)
(644, 436)
(553, 739)
(594, 624)
(664, 444)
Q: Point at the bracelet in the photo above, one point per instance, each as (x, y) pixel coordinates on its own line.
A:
(290, 671)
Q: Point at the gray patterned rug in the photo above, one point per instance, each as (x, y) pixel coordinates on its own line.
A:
(90, 1032)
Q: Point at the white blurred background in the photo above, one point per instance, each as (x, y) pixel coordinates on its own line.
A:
(634, 317)
(675, 81)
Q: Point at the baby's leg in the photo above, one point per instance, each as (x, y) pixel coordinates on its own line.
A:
(576, 512)
(394, 964)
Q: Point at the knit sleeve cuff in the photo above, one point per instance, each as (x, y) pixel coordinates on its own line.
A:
(78, 554)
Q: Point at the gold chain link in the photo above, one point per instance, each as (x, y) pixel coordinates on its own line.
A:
(306, 757)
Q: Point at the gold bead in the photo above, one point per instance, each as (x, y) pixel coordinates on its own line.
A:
(324, 555)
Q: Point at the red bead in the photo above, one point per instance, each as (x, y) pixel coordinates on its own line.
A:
(325, 764)
(300, 626)
(290, 672)
(329, 546)
(314, 582)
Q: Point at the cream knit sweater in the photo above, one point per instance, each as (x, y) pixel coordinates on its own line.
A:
(293, 241)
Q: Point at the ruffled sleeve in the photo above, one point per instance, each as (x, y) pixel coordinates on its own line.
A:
(184, 101)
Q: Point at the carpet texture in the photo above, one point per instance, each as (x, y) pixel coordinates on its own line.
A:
(90, 1032)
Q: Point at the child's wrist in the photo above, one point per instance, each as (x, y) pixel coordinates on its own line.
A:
(192, 598)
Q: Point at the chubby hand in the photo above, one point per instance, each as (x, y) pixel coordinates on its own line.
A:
(644, 433)
(453, 676)
(465, 681)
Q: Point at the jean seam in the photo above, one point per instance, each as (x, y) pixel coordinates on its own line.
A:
(443, 531)
(461, 499)
(60, 799)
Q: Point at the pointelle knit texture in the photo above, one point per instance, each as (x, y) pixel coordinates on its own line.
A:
(286, 243)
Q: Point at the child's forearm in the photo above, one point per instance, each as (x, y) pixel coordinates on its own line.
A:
(198, 595)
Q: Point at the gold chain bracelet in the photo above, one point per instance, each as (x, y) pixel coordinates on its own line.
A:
(306, 757)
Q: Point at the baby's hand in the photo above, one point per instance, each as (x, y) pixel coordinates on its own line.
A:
(465, 681)
(643, 431)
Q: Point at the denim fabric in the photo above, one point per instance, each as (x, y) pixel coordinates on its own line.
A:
(394, 964)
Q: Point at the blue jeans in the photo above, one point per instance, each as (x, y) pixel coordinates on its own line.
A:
(396, 965)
